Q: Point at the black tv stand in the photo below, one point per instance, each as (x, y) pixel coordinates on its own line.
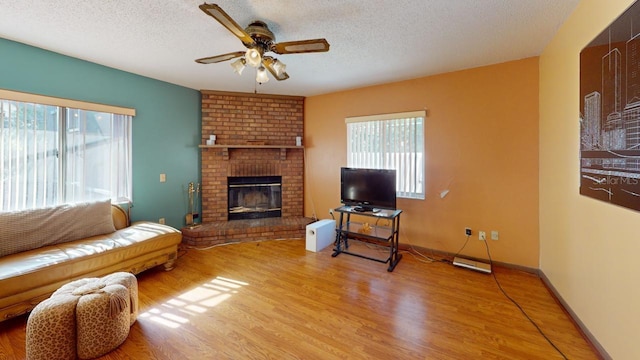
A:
(386, 236)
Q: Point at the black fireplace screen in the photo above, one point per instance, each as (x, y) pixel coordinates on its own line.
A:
(254, 197)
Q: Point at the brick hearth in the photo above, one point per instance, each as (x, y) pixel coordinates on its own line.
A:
(250, 128)
(220, 232)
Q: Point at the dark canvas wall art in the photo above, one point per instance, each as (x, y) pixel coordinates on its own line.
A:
(610, 113)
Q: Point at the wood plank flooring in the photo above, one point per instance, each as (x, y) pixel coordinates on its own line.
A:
(274, 300)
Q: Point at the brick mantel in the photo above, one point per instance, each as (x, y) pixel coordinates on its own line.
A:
(240, 120)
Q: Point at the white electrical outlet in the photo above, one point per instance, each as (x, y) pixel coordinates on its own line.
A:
(482, 235)
(163, 177)
(494, 235)
(161, 221)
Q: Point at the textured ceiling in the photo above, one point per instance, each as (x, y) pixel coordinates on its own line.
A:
(372, 41)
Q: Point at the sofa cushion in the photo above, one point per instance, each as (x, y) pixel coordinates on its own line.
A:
(31, 229)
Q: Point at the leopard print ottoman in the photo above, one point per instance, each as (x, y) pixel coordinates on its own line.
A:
(102, 319)
(51, 329)
(84, 319)
(131, 283)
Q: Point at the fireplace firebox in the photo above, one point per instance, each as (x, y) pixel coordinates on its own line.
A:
(254, 197)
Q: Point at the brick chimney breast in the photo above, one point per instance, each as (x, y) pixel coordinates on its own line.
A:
(251, 119)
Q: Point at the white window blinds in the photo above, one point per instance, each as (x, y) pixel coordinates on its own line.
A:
(53, 154)
(390, 141)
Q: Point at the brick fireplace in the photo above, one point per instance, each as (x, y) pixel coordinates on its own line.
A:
(255, 137)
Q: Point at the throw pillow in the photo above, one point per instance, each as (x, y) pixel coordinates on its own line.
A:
(30, 229)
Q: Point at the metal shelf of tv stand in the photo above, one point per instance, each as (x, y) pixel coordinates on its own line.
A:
(350, 230)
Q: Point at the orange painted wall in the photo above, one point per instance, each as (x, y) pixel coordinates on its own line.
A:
(481, 144)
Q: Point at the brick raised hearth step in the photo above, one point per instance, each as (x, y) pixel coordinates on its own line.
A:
(220, 232)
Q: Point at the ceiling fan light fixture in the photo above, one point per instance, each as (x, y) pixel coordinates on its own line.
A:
(238, 66)
(279, 67)
(261, 75)
(253, 57)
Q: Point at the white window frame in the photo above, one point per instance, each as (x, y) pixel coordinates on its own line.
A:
(373, 142)
(123, 187)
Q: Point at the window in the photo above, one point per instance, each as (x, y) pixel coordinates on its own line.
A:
(53, 154)
(390, 141)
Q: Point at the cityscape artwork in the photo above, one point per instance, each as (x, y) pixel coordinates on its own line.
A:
(610, 113)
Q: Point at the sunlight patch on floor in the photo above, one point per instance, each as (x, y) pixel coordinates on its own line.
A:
(177, 311)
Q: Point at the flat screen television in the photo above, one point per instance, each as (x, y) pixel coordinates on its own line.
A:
(368, 189)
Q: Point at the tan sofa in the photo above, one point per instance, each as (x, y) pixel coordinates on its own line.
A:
(28, 277)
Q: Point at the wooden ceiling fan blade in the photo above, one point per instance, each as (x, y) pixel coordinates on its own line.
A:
(223, 18)
(220, 58)
(302, 46)
(269, 63)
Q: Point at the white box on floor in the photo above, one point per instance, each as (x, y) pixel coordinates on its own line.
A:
(320, 234)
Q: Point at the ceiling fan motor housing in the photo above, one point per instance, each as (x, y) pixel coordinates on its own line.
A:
(260, 33)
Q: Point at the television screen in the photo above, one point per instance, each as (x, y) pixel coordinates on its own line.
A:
(368, 188)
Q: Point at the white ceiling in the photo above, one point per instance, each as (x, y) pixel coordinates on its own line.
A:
(372, 41)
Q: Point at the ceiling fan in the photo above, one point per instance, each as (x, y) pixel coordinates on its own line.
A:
(258, 40)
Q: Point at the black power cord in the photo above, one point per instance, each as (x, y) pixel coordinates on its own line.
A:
(463, 246)
(516, 303)
(445, 260)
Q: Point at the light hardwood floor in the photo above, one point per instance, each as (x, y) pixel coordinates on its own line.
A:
(274, 300)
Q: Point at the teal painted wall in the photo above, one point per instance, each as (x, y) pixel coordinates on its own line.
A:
(166, 128)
